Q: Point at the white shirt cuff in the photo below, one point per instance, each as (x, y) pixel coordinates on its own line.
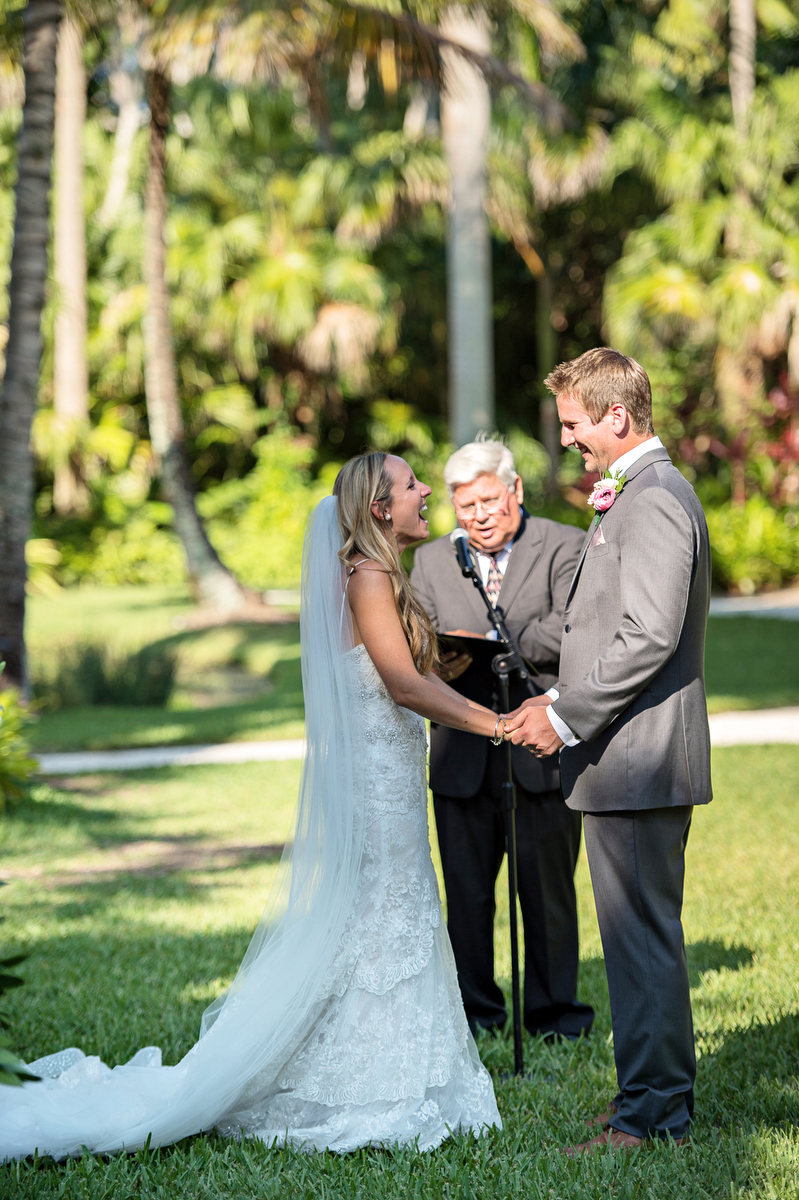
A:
(558, 724)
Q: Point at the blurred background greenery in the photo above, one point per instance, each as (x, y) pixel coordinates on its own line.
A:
(307, 206)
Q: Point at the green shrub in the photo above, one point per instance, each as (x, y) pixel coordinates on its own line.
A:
(12, 1069)
(257, 524)
(139, 551)
(16, 764)
(754, 545)
(93, 674)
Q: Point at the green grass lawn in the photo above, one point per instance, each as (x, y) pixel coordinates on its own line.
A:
(212, 665)
(135, 896)
(751, 663)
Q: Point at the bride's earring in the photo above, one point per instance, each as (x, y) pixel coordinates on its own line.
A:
(387, 516)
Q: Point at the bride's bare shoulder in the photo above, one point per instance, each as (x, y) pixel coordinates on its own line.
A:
(357, 565)
(368, 580)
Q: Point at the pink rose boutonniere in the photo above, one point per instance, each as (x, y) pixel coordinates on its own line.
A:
(605, 491)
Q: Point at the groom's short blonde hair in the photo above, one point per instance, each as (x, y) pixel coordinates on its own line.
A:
(602, 377)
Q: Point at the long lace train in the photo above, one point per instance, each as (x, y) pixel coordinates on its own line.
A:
(382, 1055)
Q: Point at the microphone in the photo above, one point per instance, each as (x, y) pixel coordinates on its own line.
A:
(460, 540)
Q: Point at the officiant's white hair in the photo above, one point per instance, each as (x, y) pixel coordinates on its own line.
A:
(484, 456)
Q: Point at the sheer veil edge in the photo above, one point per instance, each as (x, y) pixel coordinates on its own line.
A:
(248, 1032)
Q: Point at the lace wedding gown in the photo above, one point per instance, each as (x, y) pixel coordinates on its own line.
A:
(382, 1053)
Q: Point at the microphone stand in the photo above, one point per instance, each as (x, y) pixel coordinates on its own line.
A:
(509, 659)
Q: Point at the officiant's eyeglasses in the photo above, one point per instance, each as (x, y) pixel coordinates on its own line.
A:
(489, 507)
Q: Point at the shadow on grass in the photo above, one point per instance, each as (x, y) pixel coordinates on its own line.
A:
(266, 715)
(753, 1077)
(168, 876)
(48, 808)
(706, 956)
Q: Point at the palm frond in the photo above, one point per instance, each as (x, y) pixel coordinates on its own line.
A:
(564, 170)
(555, 36)
(417, 50)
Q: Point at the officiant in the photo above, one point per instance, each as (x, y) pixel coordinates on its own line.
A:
(526, 564)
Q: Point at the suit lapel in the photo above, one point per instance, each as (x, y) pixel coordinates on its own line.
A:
(524, 555)
(586, 543)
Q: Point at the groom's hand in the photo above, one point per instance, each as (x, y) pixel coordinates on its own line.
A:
(533, 702)
(530, 727)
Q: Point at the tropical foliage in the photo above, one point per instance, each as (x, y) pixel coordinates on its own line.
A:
(16, 764)
(307, 204)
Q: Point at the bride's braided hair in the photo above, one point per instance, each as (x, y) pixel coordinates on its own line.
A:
(359, 484)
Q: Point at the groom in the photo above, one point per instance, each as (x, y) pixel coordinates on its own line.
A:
(629, 711)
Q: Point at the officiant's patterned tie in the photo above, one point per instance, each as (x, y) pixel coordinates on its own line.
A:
(494, 581)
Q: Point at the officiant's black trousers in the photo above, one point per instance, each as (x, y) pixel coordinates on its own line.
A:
(471, 836)
(637, 862)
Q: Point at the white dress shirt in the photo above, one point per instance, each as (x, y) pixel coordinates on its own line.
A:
(620, 466)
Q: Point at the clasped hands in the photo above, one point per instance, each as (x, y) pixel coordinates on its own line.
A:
(529, 726)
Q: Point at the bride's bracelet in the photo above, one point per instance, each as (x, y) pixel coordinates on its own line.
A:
(497, 741)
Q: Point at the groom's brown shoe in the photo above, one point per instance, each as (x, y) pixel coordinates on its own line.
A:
(618, 1140)
(604, 1118)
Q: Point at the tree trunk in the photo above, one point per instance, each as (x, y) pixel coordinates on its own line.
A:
(739, 371)
(125, 87)
(70, 365)
(26, 301)
(547, 348)
(742, 60)
(465, 122)
(212, 583)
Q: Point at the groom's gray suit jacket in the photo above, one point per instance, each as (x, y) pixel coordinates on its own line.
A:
(632, 657)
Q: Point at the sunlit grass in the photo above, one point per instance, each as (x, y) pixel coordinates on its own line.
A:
(201, 711)
(751, 663)
(123, 955)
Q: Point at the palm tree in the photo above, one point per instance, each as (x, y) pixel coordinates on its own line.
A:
(26, 301)
(126, 91)
(70, 367)
(213, 584)
(455, 57)
(742, 60)
(464, 46)
(465, 126)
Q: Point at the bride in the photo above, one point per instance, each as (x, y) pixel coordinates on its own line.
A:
(344, 1025)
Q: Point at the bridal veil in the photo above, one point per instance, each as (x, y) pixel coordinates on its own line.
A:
(250, 1030)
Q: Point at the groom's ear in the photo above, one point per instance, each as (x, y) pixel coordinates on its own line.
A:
(619, 419)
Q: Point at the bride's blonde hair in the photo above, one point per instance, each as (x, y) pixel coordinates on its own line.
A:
(360, 483)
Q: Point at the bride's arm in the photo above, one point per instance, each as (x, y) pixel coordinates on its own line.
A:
(371, 599)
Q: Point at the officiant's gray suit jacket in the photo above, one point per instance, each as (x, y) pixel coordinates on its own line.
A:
(632, 657)
(532, 596)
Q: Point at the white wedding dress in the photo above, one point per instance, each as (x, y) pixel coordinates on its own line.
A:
(345, 1026)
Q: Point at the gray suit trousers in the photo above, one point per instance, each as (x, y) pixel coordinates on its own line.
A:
(637, 861)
